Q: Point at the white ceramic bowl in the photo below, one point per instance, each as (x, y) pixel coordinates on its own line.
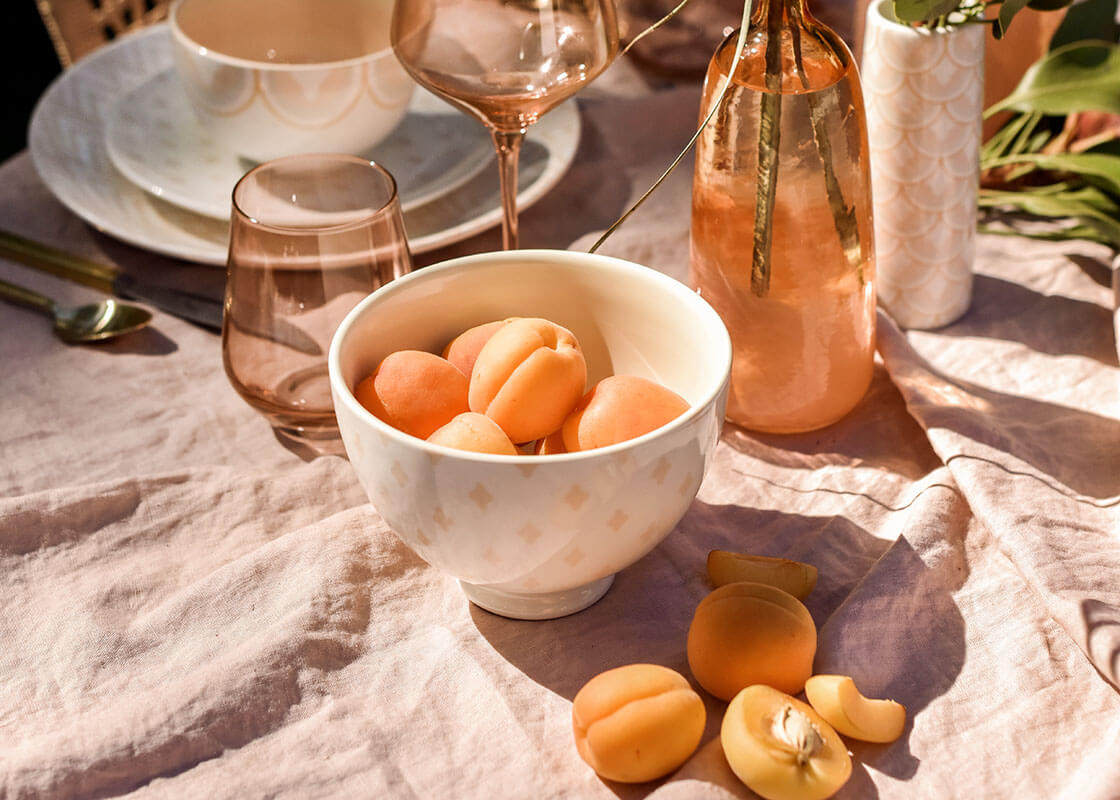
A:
(333, 83)
(535, 537)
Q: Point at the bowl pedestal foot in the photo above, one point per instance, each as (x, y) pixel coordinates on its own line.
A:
(546, 605)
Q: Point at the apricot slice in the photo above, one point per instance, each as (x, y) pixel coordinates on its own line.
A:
(843, 706)
(475, 432)
(747, 633)
(463, 350)
(637, 723)
(619, 408)
(528, 377)
(726, 567)
(781, 748)
(414, 391)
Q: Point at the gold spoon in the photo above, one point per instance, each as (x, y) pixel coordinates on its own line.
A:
(88, 323)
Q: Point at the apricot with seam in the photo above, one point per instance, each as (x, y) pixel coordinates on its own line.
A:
(528, 377)
(637, 723)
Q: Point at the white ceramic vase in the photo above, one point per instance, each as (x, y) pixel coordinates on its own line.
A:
(924, 94)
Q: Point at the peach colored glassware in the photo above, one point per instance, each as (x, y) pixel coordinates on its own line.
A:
(310, 236)
(798, 297)
(505, 62)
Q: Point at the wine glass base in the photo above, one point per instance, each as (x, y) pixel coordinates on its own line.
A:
(546, 605)
(324, 441)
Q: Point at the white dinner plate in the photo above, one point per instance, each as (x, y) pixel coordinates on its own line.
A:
(156, 141)
(67, 143)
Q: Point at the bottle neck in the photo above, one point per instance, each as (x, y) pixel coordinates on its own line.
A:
(776, 14)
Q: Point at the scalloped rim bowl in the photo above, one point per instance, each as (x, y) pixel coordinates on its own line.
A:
(536, 537)
(263, 110)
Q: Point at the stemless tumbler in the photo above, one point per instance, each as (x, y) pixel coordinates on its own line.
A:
(310, 236)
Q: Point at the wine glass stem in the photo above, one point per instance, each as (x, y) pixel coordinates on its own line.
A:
(508, 145)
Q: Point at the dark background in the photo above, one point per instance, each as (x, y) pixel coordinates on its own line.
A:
(28, 64)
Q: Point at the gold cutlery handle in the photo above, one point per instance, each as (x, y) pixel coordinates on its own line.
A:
(26, 297)
(57, 262)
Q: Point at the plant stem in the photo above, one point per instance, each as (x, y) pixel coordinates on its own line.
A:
(1021, 171)
(1060, 235)
(1021, 140)
(995, 196)
(769, 141)
(716, 106)
(843, 214)
(996, 145)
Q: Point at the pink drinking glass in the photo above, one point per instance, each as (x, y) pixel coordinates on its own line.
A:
(310, 236)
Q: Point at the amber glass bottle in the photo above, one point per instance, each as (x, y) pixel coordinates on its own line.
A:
(782, 241)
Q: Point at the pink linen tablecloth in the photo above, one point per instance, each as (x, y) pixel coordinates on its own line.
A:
(188, 609)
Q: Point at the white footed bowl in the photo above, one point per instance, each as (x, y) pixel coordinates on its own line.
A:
(536, 537)
(263, 110)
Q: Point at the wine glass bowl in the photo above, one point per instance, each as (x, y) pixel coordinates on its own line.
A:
(506, 63)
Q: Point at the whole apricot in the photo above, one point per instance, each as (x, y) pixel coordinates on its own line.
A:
(475, 432)
(619, 408)
(414, 391)
(747, 633)
(528, 377)
(637, 723)
(463, 350)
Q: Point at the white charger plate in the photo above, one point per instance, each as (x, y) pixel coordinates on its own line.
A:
(67, 143)
(155, 140)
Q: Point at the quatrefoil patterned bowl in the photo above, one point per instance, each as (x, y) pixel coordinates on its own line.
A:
(537, 537)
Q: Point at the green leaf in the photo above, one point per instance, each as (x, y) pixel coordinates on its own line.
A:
(998, 141)
(1089, 205)
(1091, 19)
(1021, 141)
(909, 11)
(1038, 141)
(1104, 169)
(1082, 76)
(1071, 233)
(1007, 10)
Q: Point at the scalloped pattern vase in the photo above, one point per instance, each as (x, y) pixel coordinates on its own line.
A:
(924, 94)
